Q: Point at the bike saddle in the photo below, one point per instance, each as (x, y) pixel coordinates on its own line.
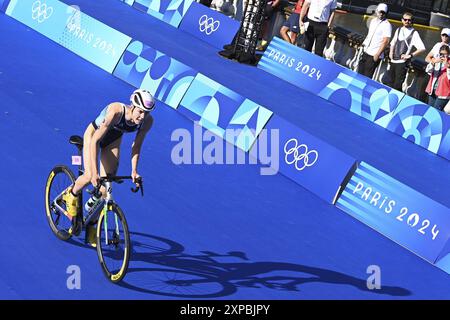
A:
(76, 140)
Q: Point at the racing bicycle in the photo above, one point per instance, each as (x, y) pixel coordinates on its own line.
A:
(113, 237)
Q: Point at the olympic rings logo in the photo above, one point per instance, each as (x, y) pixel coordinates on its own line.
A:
(208, 25)
(300, 154)
(40, 11)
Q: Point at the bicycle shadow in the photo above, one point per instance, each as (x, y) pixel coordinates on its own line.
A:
(174, 273)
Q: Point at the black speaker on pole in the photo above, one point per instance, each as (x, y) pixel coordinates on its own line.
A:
(244, 44)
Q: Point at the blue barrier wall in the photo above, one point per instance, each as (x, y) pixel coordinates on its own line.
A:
(144, 67)
(208, 25)
(170, 11)
(310, 162)
(76, 31)
(218, 108)
(443, 261)
(389, 108)
(348, 89)
(402, 214)
(423, 125)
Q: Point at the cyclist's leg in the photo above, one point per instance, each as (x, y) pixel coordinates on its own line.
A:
(109, 159)
(85, 178)
(71, 194)
(109, 162)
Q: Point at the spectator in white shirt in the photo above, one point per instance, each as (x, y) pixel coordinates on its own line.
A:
(405, 44)
(377, 39)
(433, 55)
(320, 14)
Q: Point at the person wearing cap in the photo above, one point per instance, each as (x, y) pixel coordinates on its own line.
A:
(320, 15)
(433, 55)
(405, 45)
(376, 41)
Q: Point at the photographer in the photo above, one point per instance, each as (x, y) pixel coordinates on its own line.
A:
(438, 87)
(434, 52)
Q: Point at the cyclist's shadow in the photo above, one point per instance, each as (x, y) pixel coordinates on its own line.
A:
(172, 272)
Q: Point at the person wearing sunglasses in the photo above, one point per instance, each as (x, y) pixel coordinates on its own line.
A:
(405, 45)
(438, 87)
(433, 55)
(380, 31)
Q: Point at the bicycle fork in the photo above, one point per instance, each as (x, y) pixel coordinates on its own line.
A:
(108, 203)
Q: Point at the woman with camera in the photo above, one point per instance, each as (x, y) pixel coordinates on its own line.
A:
(438, 87)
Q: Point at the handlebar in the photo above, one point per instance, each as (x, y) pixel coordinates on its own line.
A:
(119, 179)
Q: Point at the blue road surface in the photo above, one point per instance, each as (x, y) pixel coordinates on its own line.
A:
(223, 231)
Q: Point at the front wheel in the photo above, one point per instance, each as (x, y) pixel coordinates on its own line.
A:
(113, 242)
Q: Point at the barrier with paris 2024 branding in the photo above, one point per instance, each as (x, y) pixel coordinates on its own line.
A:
(76, 31)
(399, 212)
(350, 90)
(144, 67)
(305, 159)
(208, 25)
(391, 109)
(424, 125)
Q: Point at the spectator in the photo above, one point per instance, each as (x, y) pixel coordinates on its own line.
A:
(376, 41)
(292, 24)
(320, 14)
(434, 53)
(405, 39)
(438, 87)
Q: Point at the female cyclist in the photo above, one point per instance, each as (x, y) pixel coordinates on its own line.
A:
(105, 133)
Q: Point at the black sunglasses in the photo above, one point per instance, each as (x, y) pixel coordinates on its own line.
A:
(444, 35)
(407, 20)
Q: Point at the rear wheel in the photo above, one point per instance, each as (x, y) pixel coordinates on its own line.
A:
(58, 180)
(113, 243)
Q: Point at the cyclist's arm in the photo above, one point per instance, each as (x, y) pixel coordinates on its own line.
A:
(137, 143)
(113, 115)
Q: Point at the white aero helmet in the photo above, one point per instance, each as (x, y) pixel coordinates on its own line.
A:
(143, 100)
